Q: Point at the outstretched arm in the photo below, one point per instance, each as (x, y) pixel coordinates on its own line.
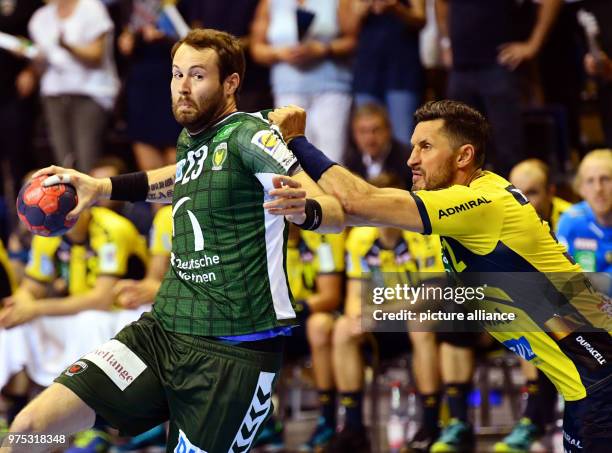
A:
(291, 194)
(362, 203)
(154, 185)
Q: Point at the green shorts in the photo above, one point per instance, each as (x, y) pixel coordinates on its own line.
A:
(216, 396)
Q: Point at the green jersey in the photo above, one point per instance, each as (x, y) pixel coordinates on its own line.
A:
(227, 272)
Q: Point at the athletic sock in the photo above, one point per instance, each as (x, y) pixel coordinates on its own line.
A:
(531, 408)
(430, 404)
(457, 397)
(352, 403)
(327, 403)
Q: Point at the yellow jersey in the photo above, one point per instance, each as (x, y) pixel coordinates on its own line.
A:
(161, 232)
(113, 247)
(559, 206)
(7, 279)
(312, 255)
(492, 237)
(412, 257)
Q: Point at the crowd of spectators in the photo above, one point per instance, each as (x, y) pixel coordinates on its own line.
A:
(96, 86)
(95, 96)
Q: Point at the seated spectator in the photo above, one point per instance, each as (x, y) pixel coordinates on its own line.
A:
(306, 44)
(151, 127)
(133, 293)
(73, 275)
(389, 256)
(315, 269)
(79, 82)
(374, 150)
(586, 228)
(387, 66)
(532, 177)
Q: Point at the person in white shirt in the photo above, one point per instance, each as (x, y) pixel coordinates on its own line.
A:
(78, 76)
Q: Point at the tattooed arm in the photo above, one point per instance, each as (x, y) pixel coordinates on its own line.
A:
(161, 184)
(89, 190)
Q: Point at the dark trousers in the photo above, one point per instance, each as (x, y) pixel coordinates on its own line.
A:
(604, 94)
(494, 90)
(16, 125)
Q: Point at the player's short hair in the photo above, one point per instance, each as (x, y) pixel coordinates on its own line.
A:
(605, 155)
(229, 51)
(462, 124)
(371, 108)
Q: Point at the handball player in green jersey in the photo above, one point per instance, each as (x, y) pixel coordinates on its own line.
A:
(208, 355)
(491, 237)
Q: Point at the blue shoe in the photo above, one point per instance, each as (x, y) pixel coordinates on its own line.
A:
(520, 439)
(457, 437)
(320, 437)
(90, 441)
(155, 437)
(270, 438)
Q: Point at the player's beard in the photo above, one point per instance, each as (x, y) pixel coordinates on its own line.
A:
(441, 179)
(202, 113)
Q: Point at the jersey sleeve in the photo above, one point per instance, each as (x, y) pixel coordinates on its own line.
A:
(262, 149)
(331, 254)
(114, 252)
(161, 232)
(460, 212)
(356, 248)
(41, 265)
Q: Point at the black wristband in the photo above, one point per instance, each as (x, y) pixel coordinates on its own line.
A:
(130, 186)
(314, 215)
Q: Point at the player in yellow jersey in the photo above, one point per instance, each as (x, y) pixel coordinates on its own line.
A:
(13, 383)
(133, 293)
(491, 235)
(532, 178)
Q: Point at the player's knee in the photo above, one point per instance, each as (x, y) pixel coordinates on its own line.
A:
(319, 328)
(422, 339)
(344, 332)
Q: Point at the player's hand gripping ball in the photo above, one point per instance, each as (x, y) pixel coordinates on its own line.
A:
(43, 209)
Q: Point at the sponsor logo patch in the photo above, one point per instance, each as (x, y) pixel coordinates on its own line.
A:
(591, 350)
(269, 142)
(521, 347)
(462, 207)
(119, 363)
(76, 368)
(585, 244)
(219, 156)
(185, 446)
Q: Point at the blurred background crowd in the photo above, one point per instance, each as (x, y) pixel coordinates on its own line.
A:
(89, 89)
